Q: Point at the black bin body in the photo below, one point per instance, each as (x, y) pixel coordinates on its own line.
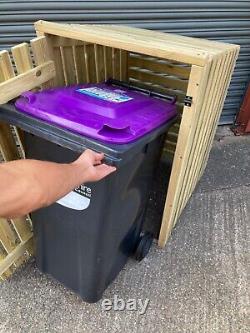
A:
(86, 249)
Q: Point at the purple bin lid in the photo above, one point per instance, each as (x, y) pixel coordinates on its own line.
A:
(100, 111)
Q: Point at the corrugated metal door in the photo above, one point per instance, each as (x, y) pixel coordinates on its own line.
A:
(227, 21)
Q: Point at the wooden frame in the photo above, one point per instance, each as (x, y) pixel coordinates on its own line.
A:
(25, 68)
(196, 71)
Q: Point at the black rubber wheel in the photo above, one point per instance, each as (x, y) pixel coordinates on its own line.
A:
(143, 246)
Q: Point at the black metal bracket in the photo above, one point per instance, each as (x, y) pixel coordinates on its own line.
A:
(144, 91)
(188, 101)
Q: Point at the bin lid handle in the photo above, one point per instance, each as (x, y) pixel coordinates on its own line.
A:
(112, 131)
(29, 96)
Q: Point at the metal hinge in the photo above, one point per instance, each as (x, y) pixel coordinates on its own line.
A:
(188, 100)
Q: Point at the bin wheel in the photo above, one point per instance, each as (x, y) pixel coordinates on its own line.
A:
(144, 244)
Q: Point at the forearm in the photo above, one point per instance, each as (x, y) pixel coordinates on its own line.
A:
(27, 185)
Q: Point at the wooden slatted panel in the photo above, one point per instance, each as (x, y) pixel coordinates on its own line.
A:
(213, 85)
(8, 242)
(218, 82)
(169, 78)
(208, 126)
(229, 71)
(198, 45)
(210, 113)
(157, 78)
(81, 62)
(7, 142)
(159, 66)
(196, 89)
(54, 53)
(16, 234)
(148, 70)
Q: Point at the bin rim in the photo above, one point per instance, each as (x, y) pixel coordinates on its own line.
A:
(114, 154)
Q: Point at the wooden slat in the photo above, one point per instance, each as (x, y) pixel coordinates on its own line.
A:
(41, 55)
(123, 65)
(196, 89)
(9, 271)
(68, 63)
(22, 57)
(86, 61)
(99, 63)
(90, 62)
(8, 147)
(166, 81)
(9, 240)
(22, 228)
(80, 65)
(159, 66)
(6, 68)
(126, 41)
(26, 81)
(17, 253)
(59, 41)
(23, 62)
(198, 44)
(54, 54)
(59, 79)
(108, 68)
(116, 64)
(7, 236)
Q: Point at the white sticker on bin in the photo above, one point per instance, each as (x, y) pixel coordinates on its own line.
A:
(79, 199)
(105, 94)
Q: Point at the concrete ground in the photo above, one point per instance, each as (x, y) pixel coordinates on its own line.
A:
(198, 283)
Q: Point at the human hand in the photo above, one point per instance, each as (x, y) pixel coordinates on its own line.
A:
(92, 167)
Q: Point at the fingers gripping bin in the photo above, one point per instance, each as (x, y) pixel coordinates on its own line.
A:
(85, 238)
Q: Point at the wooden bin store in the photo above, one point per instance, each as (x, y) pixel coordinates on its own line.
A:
(197, 71)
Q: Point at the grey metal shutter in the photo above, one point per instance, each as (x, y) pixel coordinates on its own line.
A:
(227, 21)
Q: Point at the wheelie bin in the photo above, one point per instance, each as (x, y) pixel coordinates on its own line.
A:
(85, 238)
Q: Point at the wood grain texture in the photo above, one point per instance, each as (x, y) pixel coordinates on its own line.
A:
(32, 78)
(196, 89)
(131, 40)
